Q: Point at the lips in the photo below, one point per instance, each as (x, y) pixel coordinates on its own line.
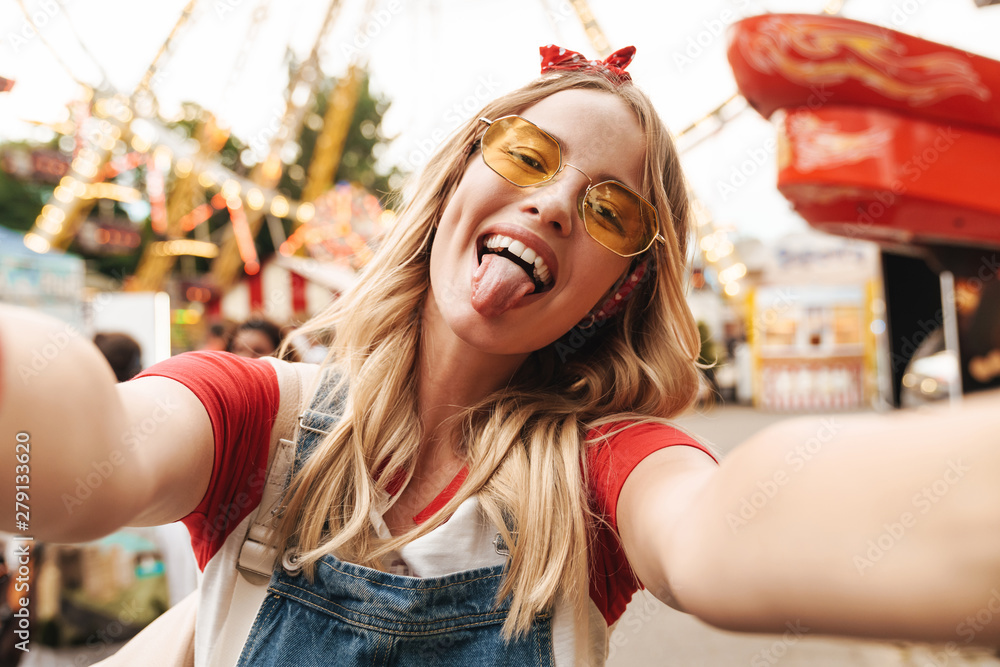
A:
(525, 250)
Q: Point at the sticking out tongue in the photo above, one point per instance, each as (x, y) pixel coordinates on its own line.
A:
(498, 285)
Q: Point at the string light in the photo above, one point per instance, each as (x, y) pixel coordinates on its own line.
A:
(231, 189)
(110, 191)
(140, 144)
(279, 206)
(255, 199)
(36, 243)
(183, 167)
(85, 166)
(206, 180)
(733, 273)
(162, 156)
(185, 247)
(305, 212)
(49, 225)
(62, 194)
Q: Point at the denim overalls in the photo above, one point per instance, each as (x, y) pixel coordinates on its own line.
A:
(353, 615)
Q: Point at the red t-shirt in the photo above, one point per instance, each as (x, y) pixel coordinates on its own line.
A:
(241, 397)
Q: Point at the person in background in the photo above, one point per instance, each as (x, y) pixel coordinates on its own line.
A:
(255, 338)
(217, 338)
(122, 352)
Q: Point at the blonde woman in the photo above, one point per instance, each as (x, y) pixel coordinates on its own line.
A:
(485, 474)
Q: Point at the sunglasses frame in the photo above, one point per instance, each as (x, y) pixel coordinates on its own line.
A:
(583, 200)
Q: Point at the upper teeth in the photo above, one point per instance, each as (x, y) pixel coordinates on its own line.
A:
(499, 242)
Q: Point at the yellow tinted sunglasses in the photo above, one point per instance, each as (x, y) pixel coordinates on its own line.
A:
(615, 215)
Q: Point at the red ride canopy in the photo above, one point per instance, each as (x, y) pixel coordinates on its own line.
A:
(882, 135)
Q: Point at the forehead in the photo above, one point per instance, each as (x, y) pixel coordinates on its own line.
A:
(597, 130)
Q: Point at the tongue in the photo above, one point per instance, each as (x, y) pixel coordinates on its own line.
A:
(498, 285)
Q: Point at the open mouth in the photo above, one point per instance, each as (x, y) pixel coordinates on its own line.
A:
(521, 255)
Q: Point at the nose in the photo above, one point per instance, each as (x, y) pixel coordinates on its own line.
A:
(557, 201)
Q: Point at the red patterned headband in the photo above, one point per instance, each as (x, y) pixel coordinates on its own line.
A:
(557, 58)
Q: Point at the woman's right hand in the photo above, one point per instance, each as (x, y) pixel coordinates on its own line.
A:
(100, 455)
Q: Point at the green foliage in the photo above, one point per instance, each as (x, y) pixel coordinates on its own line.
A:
(709, 348)
(20, 203)
(357, 164)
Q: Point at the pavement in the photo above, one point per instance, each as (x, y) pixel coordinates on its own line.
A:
(651, 633)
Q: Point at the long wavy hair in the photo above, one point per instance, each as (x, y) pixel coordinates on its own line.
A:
(525, 443)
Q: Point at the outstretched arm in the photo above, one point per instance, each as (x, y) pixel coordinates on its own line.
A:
(99, 455)
(881, 526)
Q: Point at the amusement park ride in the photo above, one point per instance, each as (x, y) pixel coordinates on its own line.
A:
(889, 138)
(185, 181)
(882, 137)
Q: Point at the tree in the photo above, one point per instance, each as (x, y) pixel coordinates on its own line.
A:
(357, 163)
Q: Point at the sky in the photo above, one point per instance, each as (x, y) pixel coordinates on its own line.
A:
(438, 61)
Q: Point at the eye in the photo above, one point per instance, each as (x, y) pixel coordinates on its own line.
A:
(606, 215)
(527, 158)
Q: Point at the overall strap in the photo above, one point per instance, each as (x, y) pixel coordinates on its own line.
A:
(257, 557)
(318, 420)
(294, 436)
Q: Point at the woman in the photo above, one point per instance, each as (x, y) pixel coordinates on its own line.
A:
(490, 462)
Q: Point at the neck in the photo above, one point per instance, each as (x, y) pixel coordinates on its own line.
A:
(454, 375)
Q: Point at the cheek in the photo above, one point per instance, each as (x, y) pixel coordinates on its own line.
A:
(604, 270)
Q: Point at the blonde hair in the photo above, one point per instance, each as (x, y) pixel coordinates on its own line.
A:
(525, 443)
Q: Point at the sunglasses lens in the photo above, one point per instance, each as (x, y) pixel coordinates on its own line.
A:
(619, 219)
(524, 154)
(520, 152)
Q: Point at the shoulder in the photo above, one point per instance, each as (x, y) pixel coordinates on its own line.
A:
(625, 442)
(209, 369)
(615, 448)
(210, 365)
(229, 385)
